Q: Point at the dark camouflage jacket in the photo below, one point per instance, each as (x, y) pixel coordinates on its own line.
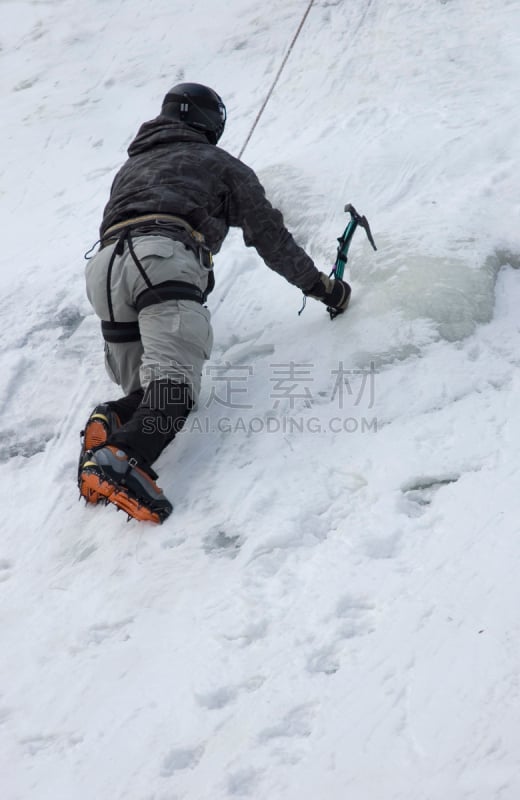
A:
(172, 169)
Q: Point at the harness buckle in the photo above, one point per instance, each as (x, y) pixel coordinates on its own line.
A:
(205, 257)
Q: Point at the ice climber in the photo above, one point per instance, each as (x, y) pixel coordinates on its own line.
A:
(170, 208)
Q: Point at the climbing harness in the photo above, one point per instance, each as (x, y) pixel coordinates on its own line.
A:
(121, 234)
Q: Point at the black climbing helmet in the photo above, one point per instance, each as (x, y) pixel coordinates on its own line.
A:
(198, 106)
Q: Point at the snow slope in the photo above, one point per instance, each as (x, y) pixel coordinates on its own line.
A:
(331, 611)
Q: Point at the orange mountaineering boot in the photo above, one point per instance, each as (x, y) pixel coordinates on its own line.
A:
(101, 423)
(109, 474)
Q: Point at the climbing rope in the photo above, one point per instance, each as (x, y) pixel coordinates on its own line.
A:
(271, 90)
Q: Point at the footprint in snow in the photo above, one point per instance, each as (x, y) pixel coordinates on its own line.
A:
(171, 542)
(218, 699)
(244, 782)
(325, 660)
(5, 569)
(225, 695)
(181, 758)
(296, 724)
(418, 493)
(249, 634)
(14, 446)
(102, 631)
(33, 745)
(221, 543)
(352, 618)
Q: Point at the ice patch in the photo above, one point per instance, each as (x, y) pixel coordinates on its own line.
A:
(448, 295)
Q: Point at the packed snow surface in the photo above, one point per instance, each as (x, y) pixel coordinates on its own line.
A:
(332, 609)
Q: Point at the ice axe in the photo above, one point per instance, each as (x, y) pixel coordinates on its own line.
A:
(344, 244)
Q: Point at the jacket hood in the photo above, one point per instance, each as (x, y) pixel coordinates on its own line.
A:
(162, 130)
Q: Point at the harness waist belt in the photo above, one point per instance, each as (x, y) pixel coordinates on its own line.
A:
(155, 218)
(161, 225)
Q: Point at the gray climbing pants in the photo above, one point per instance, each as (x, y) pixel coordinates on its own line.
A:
(175, 335)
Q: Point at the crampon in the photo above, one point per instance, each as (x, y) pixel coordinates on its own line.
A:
(110, 476)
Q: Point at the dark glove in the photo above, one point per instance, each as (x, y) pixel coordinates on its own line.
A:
(334, 292)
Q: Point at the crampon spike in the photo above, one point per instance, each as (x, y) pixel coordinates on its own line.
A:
(96, 489)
